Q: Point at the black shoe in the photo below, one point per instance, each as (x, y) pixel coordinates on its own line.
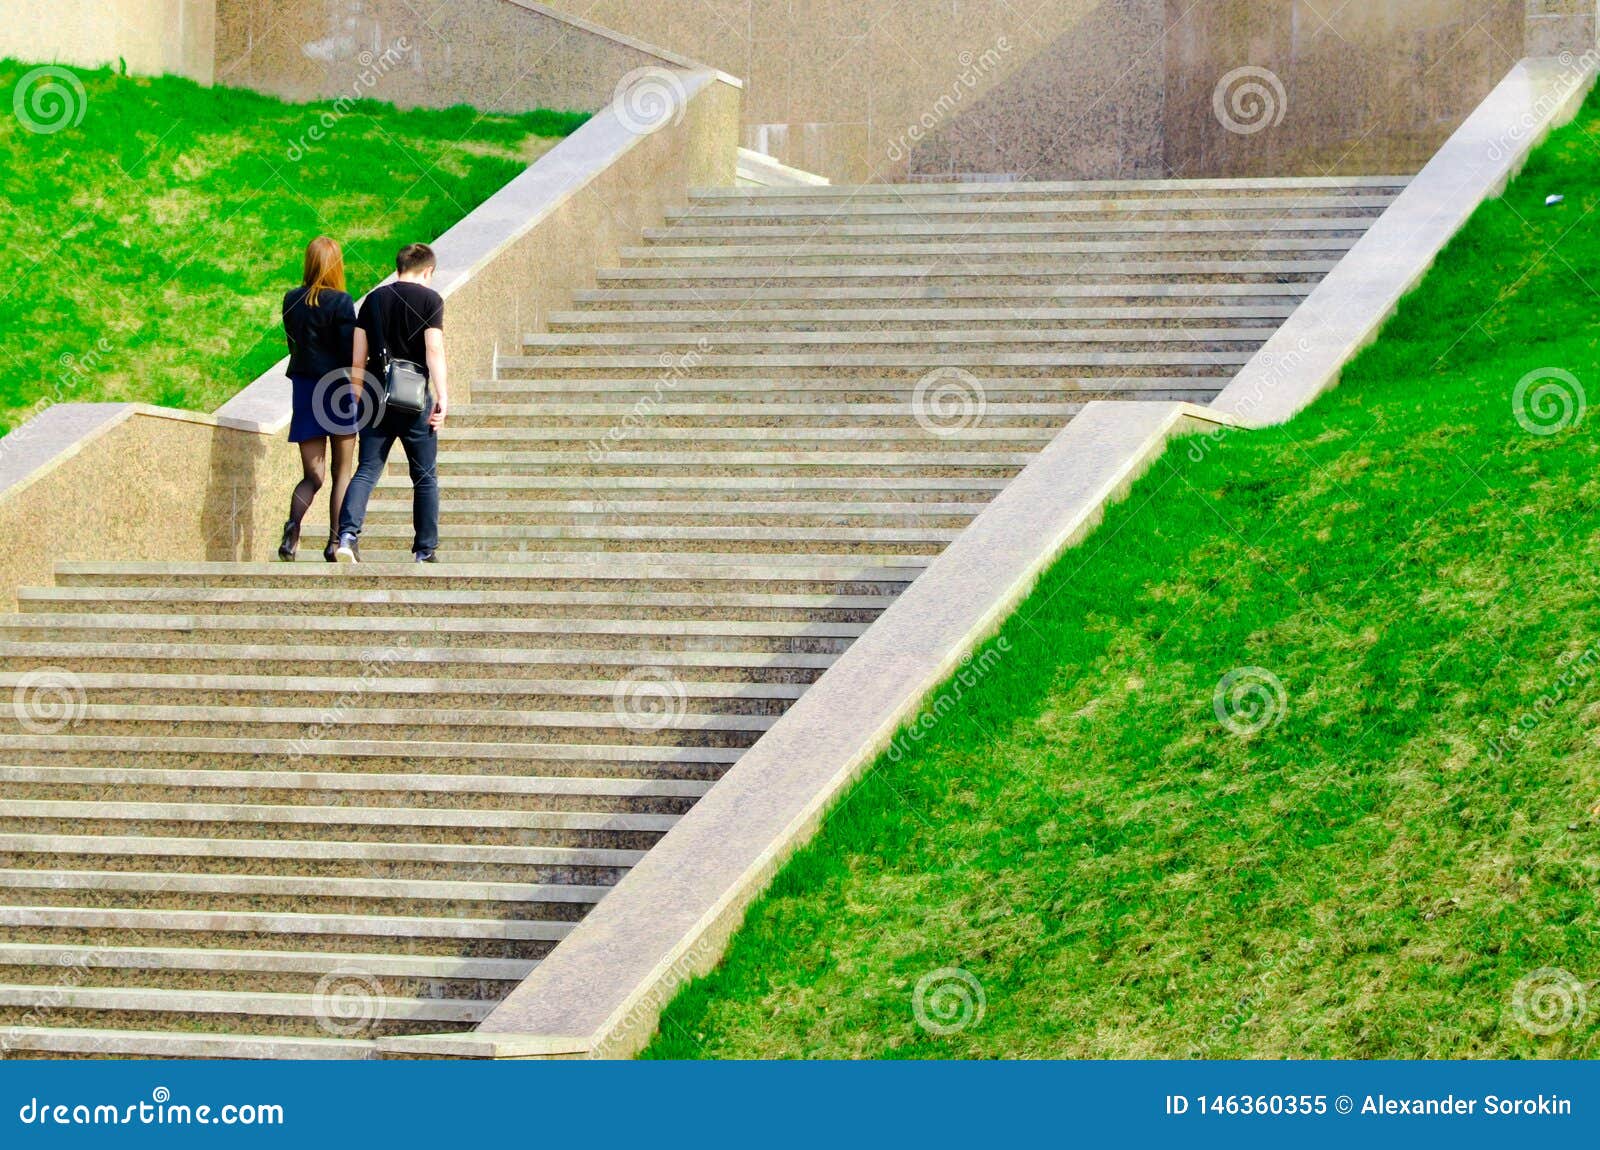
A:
(348, 550)
(328, 551)
(290, 547)
(426, 557)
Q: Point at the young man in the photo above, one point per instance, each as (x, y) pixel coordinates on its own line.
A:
(413, 328)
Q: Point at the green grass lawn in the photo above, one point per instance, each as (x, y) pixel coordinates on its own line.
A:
(1370, 875)
(148, 245)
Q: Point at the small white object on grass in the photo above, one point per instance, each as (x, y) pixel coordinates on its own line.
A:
(1552, 201)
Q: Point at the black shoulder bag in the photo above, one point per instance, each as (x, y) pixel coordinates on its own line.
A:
(405, 383)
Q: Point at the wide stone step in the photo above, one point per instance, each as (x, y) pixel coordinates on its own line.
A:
(975, 489)
(394, 966)
(483, 631)
(100, 1042)
(973, 434)
(642, 394)
(406, 890)
(120, 779)
(664, 573)
(276, 923)
(1240, 189)
(773, 537)
(978, 360)
(957, 214)
(677, 559)
(612, 422)
(380, 1014)
(942, 220)
(543, 696)
(439, 756)
(312, 724)
(587, 604)
(732, 462)
(985, 255)
(932, 314)
(691, 276)
(511, 663)
(864, 342)
(322, 855)
(942, 294)
(167, 685)
(619, 830)
(678, 513)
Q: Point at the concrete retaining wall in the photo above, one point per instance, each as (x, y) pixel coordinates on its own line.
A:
(153, 36)
(498, 55)
(1097, 89)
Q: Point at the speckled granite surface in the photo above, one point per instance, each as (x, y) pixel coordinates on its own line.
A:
(857, 90)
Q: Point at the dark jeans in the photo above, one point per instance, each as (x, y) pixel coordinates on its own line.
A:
(421, 445)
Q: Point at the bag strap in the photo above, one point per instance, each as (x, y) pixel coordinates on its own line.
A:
(382, 340)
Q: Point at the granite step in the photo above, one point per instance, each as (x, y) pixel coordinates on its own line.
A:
(942, 220)
(307, 1014)
(117, 1042)
(1241, 189)
(330, 858)
(941, 294)
(386, 604)
(1103, 270)
(944, 338)
(983, 254)
(932, 315)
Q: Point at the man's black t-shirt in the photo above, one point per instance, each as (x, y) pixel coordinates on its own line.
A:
(409, 309)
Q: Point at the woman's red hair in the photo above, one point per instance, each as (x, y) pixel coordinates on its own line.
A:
(324, 268)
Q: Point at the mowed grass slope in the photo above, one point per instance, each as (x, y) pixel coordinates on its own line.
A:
(1370, 874)
(148, 244)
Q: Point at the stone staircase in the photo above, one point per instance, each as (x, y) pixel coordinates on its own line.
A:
(273, 810)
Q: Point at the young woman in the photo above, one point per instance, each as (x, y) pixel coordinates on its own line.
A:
(319, 319)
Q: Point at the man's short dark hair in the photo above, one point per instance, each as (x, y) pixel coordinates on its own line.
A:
(414, 258)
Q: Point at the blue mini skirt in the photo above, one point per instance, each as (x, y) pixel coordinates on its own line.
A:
(321, 407)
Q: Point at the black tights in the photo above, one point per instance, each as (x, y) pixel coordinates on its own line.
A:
(314, 465)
